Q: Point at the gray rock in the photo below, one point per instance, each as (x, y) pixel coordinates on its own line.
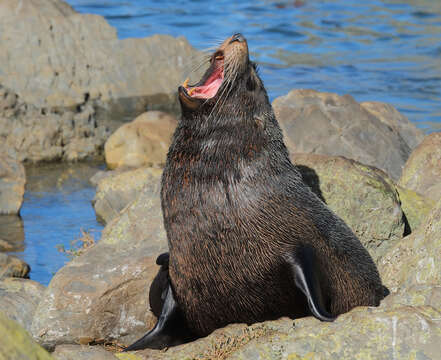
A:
(373, 333)
(11, 266)
(12, 185)
(19, 299)
(11, 233)
(118, 188)
(142, 142)
(393, 118)
(82, 81)
(82, 352)
(422, 171)
(329, 124)
(416, 207)
(363, 196)
(103, 294)
(416, 259)
(16, 344)
(363, 333)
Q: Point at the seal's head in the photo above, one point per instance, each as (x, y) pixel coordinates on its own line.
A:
(231, 74)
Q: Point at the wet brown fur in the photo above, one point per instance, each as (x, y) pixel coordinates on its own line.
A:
(235, 209)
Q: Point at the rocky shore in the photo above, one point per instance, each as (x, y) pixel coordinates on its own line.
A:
(373, 167)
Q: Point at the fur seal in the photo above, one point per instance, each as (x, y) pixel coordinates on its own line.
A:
(248, 240)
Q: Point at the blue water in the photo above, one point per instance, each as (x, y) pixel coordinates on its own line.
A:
(56, 208)
(376, 50)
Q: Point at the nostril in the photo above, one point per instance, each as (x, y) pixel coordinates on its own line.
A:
(237, 37)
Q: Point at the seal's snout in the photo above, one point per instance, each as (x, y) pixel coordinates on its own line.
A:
(237, 37)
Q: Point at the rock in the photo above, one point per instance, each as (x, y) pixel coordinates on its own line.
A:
(11, 266)
(29, 133)
(12, 185)
(16, 344)
(11, 233)
(422, 172)
(81, 352)
(142, 142)
(103, 294)
(19, 299)
(328, 124)
(403, 333)
(393, 118)
(363, 333)
(363, 196)
(416, 295)
(82, 80)
(416, 208)
(115, 191)
(416, 259)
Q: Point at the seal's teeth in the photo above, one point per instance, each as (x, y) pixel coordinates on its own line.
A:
(191, 91)
(185, 84)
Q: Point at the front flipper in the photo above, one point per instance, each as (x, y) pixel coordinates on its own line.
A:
(306, 270)
(170, 330)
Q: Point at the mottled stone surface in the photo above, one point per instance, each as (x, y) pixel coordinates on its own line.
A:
(329, 124)
(363, 333)
(393, 118)
(401, 333)
(81, 352)
(416, 259)
(103, 294)
(117, 189)
(12, 184)
(17, 344)
(142, 142)
(11, 233)
(363, 196)
(12, 266)
(422, 172)
(82, 82)
(415, 207)
(19, 299)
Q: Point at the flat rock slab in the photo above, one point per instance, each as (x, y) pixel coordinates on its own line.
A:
(363, 196)
(82, 352)
(19, 299)
(103, 294)
(329, 124)
(12, 185)
(376, 333)
(17, 344)
(361, 334)
(422, 171)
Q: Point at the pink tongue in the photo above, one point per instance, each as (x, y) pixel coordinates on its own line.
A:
(211, 86)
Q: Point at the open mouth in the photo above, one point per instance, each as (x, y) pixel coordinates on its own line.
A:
(210, 82)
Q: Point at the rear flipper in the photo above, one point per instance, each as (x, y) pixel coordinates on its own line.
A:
(160, 283)
(306, 274)
(171, 328)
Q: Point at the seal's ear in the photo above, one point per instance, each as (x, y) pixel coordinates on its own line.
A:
(306, 273)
